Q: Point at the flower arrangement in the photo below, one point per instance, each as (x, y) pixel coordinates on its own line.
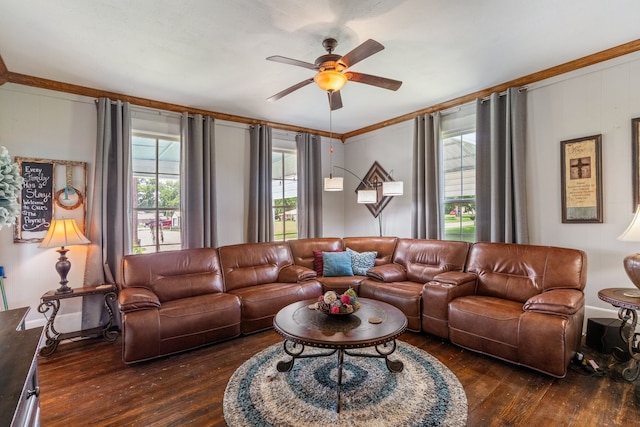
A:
(332, 303)
(10, 186)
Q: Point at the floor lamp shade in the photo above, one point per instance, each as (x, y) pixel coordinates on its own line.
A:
(632, 262)
(334, 183)
(61, 233)
(392, 188)
(367, 196)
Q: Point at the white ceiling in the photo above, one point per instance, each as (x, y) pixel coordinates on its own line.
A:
(210, 54)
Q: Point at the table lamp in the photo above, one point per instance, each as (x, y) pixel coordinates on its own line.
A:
(632, 262)
(63, 232)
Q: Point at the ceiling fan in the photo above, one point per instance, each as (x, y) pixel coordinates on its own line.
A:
(333, 71)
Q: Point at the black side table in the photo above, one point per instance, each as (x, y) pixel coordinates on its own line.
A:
(51, 301)
(627, 312)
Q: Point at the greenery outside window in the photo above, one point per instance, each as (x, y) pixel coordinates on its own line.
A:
(156, 192)
(284, 189)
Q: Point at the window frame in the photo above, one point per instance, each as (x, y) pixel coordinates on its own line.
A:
(457, 125)
(158, 243)
(283, 234)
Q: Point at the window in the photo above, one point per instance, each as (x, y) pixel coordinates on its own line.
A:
(458, 174)
(459, 185)
(156, 192)
(284, 189)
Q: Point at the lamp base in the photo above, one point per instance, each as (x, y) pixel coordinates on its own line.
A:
(64, 289)
(632, 268)
(62, 267)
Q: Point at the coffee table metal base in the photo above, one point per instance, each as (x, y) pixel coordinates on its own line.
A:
(296, 351)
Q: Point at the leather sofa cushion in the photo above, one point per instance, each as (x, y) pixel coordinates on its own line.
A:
(564, 302)
(179, 325)
(383, 245)
(252, 264)
(302, 249)
(341, 284)
(425, 259)
(406, 296)
(518, 272)
(174, 274)
(486, 324)
(261, 303)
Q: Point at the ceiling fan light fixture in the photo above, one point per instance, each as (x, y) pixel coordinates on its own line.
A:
(330, 80)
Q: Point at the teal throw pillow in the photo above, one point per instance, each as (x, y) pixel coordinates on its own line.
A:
(336, 264)
(362, 261)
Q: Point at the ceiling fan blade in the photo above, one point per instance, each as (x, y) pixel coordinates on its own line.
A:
(365, 50)
(335, 100)
(285, 60)
(378, 81)
(289, 90)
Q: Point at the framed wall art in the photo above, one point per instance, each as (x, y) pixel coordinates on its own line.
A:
(581, 174)
(53, 189)
(635, 162)
(374, 178)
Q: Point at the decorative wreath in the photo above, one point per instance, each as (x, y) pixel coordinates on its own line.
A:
(68, 207)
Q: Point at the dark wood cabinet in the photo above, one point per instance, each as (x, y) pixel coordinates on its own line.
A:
(19, 390)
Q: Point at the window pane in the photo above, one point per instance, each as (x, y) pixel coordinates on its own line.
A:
(169, 193)
(145, 192)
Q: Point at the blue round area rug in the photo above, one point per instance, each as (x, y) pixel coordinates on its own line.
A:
(424, 393)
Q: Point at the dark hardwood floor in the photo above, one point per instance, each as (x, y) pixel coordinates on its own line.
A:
(85, 383)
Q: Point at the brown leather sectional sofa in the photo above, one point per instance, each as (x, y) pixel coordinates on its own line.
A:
(520, 303)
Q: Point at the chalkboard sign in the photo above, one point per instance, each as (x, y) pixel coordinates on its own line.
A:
(37, 196)
(53, 189)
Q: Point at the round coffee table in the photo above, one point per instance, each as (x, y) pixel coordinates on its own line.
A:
(376, 324)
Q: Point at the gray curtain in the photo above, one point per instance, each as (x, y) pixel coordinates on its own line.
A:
(260, 227)
(501, 198)
(109, 222)
(198, 209)
(309, 186)
(425, 215)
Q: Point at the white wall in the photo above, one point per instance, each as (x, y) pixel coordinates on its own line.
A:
(392, 148)
(46, 125)
(601, 99)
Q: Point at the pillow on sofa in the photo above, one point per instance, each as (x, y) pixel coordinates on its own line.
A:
(318, 265)
(362, 261)
(336, 264)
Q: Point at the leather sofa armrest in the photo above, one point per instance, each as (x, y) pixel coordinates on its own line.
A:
(563, 302)
(454, 278)
(296, 273)
(134, 299)
(388, 273)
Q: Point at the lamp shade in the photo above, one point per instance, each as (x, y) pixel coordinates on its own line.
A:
(392, 188)
(330, 80)
(367, 196)
(63, 232)
(333, 183)
(632, 233)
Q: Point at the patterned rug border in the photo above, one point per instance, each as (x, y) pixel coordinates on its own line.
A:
(258, 395)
